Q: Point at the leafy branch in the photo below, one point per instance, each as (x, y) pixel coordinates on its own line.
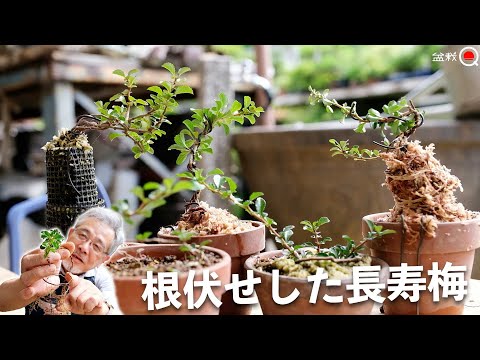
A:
(401, 123)
(157, 193)
(196, 250)
(195, 140)
(226, 188)
(138, 119)
(51, 241)
(354, 152)
(313, 228)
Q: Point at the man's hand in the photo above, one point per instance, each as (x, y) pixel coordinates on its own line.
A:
(39, 274)
(84, 297)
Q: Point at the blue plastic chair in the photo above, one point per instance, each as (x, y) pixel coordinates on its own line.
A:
(20, 211)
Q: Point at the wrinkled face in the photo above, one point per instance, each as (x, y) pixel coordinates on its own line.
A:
(92, 240)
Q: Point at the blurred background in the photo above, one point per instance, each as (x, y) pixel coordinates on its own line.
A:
(285, 155)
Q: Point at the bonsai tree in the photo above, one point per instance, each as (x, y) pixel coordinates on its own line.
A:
(432, 226)
(142, 121)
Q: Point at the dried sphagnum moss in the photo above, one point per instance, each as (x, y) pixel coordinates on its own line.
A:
(67, 139)
(422, 187)
(211, 221)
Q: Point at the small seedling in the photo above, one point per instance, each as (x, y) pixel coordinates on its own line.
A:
(51, 241)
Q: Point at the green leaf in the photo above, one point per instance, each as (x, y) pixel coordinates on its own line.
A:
(374, 113)
(138, 191)
(246, 101)
(226, 128)
(329, 109)
(114, 135)
(153, 205)
(255, 195)
(223, 99)
(205, 242)
(217, 180)
(370, 224)
(183, 89)
(181, 157)
(251, 118)
(186, 174)
(119, 72)
(184, 248)
(156, 89)
(115, 97)
(144, 235)
(170, 67)
(231, 184)
(236, 106)
(184, 185)
(151, 185)
(216, 171)
(183, 70)
(133, 71)
(360, 128)
(322, 221)
(260, 205)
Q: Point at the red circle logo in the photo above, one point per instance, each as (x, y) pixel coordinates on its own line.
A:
(468, 55)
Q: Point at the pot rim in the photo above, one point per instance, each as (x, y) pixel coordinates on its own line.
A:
(259, 225)
(226, 260)
(466, 222)
(250, 261)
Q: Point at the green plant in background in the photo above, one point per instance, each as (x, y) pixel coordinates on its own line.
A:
(52, 239)
(235, 51)
(326, 65)
(145, 126)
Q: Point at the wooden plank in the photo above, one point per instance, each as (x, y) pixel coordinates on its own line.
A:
(381, 88)
(103, 74)
(22, 78)
(79, 58)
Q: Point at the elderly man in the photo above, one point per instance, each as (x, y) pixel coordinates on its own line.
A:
(95, 236)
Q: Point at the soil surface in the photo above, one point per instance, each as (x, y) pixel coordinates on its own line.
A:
(304, 269)
(138, 266)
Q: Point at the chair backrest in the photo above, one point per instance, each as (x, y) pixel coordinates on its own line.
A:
(20, 211)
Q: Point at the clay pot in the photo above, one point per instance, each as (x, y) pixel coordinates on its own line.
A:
(240, 247)
(454, 242)
(129, 289)
(302, 306)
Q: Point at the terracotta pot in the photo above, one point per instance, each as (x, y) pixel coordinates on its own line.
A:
(302, 306)
(240, 247)
(454, 242)
(129, 289)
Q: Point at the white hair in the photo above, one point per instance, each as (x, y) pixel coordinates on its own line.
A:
(108, 217)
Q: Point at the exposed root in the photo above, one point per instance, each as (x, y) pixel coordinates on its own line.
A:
(53, 304)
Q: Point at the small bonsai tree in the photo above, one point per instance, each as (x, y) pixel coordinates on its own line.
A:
(52, 239)
(422, 188)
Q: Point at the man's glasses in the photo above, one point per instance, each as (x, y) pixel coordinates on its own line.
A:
(96, 246)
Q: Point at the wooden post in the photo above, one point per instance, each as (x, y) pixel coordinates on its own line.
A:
(58, 108)
(264, 66)
(215, 78)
